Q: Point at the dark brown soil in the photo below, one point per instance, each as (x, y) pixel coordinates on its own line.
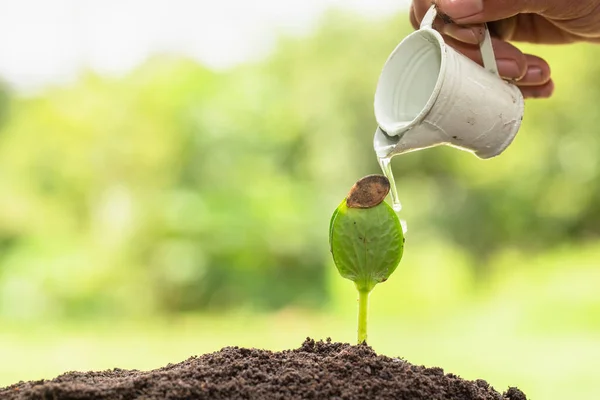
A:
(317, 370)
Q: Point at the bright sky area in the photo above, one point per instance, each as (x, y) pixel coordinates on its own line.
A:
(48, 42)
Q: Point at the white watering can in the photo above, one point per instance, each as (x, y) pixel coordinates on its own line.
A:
(429, 94)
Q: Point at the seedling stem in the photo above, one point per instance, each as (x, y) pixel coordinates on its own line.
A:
(363, 308)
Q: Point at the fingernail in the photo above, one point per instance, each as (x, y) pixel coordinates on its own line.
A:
(461, 9)
(465, 35)
(534, 75)
(508, 68)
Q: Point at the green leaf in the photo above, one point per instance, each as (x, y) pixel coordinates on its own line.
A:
(335, 213)
(367, 244)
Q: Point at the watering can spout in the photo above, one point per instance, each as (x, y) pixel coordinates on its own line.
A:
(406, 141)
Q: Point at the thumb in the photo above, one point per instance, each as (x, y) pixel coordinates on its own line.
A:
(479, 11)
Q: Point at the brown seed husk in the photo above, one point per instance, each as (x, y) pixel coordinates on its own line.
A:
(368, 192)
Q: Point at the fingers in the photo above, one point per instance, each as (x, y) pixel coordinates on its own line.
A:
(419, 9)
(413, 17)
(538, 92)
(537, 74)
(530, 73)
(525, 27)
(530, 28)
(537, 82)
(512, 63)
(472, 34)
(479, 11)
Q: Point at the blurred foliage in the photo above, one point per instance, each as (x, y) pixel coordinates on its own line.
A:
(176, 188)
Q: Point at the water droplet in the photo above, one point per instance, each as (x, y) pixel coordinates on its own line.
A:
(404, 226)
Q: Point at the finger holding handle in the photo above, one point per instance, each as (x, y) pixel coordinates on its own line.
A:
(530, 73)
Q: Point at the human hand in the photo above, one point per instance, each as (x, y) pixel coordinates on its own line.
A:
(534, 21)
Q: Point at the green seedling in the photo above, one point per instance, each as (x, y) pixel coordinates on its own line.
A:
(366, 240)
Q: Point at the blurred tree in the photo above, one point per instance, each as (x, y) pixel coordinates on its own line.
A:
(177, 188)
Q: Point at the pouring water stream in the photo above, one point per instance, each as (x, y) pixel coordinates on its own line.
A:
(383, 150)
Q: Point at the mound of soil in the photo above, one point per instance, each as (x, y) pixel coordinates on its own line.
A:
(316, 370)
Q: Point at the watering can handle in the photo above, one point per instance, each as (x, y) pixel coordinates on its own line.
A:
(487, 51)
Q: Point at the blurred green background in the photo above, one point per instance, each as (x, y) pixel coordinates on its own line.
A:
(177, 210)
